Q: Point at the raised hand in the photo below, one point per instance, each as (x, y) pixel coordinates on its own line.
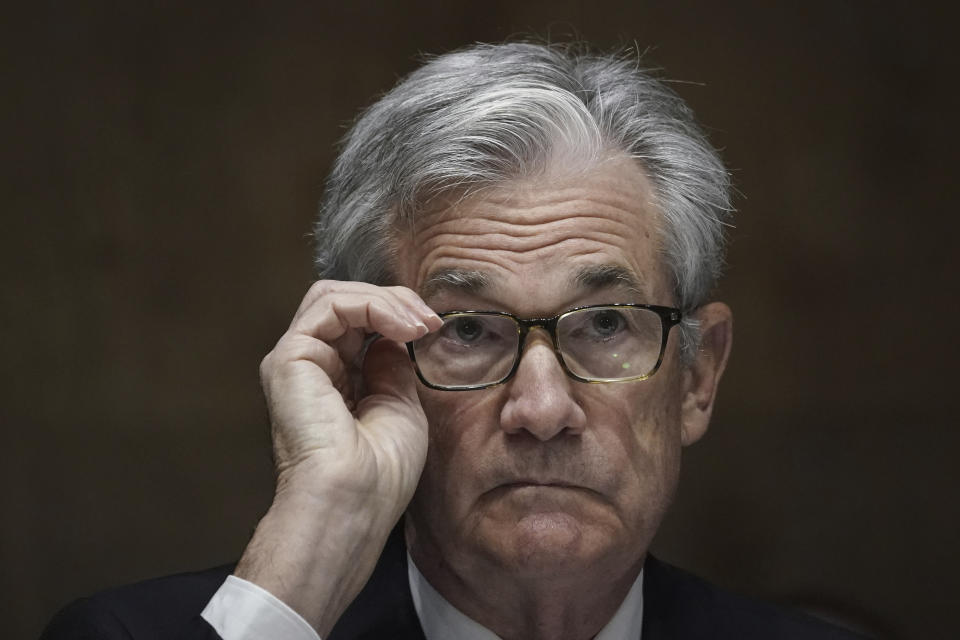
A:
(349, 445)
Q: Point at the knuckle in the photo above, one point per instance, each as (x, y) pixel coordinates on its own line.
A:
(268, 371)
(320, 288)
(328, 293)
(322, 285)
(340, 286)
(403, 292)
(298, 346)
(265, 364)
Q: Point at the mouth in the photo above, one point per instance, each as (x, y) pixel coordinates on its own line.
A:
(516, 484)
(540, 487)
(531, 496)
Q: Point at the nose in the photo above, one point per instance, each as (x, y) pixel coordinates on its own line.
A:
(540, 401)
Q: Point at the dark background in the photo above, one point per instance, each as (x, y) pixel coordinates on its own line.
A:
(163, 164)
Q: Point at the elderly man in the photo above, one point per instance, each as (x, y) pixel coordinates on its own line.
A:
(511, 345)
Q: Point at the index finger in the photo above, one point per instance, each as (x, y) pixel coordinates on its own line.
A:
(402, 295)
(333, 315)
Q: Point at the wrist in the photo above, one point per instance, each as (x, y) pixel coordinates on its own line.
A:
(355, 495)
(314, 553)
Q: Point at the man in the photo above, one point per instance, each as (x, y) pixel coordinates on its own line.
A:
(511, 343)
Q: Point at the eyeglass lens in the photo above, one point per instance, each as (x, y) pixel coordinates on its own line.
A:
(598, 343)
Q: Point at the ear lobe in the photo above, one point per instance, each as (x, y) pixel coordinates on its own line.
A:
(703, 374)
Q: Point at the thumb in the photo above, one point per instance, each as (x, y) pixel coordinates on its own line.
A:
(390, 411)
(387, 370)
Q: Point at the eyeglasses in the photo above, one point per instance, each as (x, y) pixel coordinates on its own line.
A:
(596, 343)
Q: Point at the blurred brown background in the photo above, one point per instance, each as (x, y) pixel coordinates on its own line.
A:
(163, 164)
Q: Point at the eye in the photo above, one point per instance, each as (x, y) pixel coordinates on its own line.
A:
(468, 329)
(607, 323)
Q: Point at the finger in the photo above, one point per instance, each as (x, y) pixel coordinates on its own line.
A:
(409, 303)
(390, 414)
(308, 409)
(321, 288)
(420, 308)
(387, 370)
(390, 409)
(294, 347)
(350, 346)
(332, 316)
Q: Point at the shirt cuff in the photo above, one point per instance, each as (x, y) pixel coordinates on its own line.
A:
(241, 610)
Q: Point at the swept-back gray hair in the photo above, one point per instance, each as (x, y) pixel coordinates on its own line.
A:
(488, 114)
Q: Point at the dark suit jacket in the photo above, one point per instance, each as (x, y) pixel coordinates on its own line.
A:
(676, 605)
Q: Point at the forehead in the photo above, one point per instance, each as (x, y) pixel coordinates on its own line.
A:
(541, 243)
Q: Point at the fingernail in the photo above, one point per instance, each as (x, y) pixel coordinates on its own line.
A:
(433, 318)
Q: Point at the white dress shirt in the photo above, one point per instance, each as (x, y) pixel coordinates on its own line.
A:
(441, 620)
(241, 610)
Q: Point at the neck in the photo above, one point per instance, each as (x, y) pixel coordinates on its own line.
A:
(567, 603)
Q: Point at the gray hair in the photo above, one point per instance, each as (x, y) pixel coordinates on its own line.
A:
(488, 114)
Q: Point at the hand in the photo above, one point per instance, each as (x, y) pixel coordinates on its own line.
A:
(348, 448)
(329, 434)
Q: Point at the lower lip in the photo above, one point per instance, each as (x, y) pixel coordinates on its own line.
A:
(530, 499)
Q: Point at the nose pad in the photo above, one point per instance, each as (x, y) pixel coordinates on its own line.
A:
(540, 399)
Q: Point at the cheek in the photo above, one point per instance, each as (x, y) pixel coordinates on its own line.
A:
(640, 433)
(460, 424)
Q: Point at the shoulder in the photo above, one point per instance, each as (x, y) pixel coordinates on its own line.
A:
(678, 604)
(157, 608)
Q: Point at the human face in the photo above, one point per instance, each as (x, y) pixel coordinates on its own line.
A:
(543, 473)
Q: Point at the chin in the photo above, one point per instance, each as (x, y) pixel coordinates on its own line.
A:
(546, 542)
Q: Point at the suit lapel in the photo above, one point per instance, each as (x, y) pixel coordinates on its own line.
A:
(384, 608)
(659, 616)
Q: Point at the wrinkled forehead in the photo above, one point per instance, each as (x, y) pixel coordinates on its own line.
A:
(540, 239)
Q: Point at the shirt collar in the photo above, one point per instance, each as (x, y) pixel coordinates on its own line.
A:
(441, 620)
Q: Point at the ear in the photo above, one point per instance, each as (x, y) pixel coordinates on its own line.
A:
(703, 374)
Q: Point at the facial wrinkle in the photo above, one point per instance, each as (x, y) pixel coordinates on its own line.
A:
(519, 255)
(444, 240)
(527, 215)
(616, 193)
(522, 228)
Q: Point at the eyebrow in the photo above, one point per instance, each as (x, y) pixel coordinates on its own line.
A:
(458, 280)
(602, 276)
